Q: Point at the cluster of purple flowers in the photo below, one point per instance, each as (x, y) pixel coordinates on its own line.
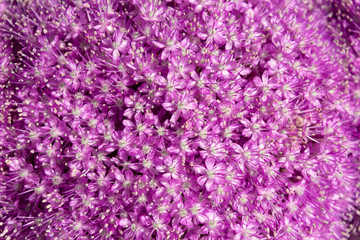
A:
(179, 119)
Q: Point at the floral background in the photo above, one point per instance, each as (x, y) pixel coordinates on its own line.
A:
(179, 119)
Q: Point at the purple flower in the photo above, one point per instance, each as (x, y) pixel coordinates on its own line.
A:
(253, 127)
(179, 119)
(181, 104)
(212, 173)
(151, 11)
(182, 66)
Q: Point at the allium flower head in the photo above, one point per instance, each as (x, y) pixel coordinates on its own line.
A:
(179, 119)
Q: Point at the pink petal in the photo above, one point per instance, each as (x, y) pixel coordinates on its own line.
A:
(194, 75)
(129, 102)
(169, 106)
(228, 45)
(237, 147)
(247, 132)
(246, 71)
(158, 44)
(189, 68)
(199, 169)
(219, 39)
(160, 80)
(159, 12)
(265, 77)
(124, 222)
(202, 218)
(129, 174)
(202, 35)
(198, 8)
(209, 185)
(257, 81)
(220, 166)
(272, 63)
(245, 122)
(173, 149)
(201, 180)
(210, 163)
(191, 106)
(226, 74)
(202, 144)
(116, 55)
(204, 154)
(165, 54)
(123, 44)
(128, 123)
(175, 116)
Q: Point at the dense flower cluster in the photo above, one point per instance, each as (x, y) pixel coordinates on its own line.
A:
(179, 119)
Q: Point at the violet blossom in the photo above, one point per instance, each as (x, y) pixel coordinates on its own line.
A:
(180, 119)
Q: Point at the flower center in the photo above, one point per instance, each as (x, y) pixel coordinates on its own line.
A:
(127, 183)
(183, 213)
(211, 174)
(139, 106)
(161, 131)
(212, 224)
(77, 226)
(39, 189)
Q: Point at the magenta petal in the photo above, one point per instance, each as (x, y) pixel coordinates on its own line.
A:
(210, 185)
(199, 169)
(169, 106)
(210, 163)
(179, 119)
(201, 180)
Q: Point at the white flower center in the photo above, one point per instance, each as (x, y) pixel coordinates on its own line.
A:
(212, 224)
